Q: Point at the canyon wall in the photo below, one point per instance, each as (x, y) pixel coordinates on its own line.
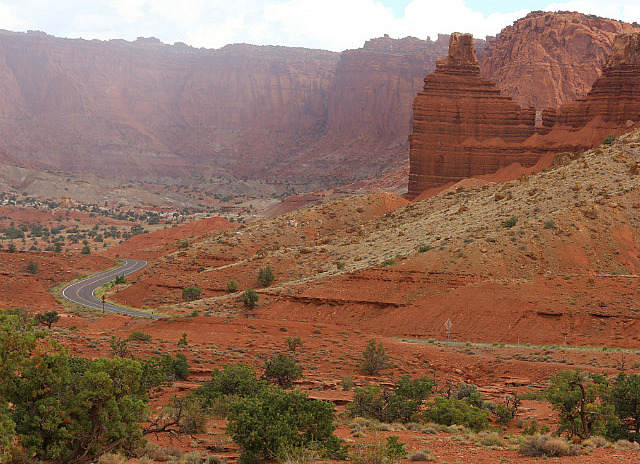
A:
(149, 111)
(146, 110)
(547, 59)
(464, 127)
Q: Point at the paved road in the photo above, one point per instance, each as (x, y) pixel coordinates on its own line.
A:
(82, 292)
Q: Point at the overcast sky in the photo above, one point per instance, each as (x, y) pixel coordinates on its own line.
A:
(329, 24)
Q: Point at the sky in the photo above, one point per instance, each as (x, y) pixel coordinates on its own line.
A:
(327, 24)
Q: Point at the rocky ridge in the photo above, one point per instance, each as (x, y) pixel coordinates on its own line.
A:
(464, 127)
(547, 59)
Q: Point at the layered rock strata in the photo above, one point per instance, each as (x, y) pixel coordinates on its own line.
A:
(462, 125)
(547, 59)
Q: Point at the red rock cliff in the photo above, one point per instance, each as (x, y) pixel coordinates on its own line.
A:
(462, 125)
(612, 106)
(547, 59)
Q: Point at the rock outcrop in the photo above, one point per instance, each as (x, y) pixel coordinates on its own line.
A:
(462, 125)
(548, 59)
(612, 106)
(150, 111)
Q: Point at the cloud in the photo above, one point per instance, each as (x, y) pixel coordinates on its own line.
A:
(330, 24)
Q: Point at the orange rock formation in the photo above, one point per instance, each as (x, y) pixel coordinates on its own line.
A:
(462, 125)
(547, 59)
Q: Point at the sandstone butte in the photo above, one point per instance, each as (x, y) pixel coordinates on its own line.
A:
(463, 126)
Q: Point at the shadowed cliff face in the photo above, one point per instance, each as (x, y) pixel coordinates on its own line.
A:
(146, 110)
(464, 127)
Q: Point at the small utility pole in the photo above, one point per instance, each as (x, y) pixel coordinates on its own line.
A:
(103, 298)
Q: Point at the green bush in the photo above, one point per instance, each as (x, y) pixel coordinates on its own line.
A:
(49, 318)
(139, 336)
(62, 407)
(609, 139)
(400, 404)
(232, 286)
(450, 411)
(120, 279)
(238, 380)
(183, 245)
(85, 250)
(293, 343)
(375, 358)
(191, 293)
(509, 223)
(266, 426)
(282, 370)
(265, 276)
(32, 267)
(250, 298)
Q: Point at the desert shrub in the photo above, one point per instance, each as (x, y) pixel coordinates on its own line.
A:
(293, 343)
(486, 438)
(626, 445)
(596, 441)
(399, 404)
(509, 223)
(347, 382)
(121, 279)
(265, 276)
(423, 456)
(139, 336)
(112, 459)
(183, 245)
(62, 406)
(609, 139)
(85, 250)
(450, 411)
(375, 358)
(234, 380)
(191, 293)
(232, 286)
(581, 402)
(183, 340)
(424, 248)
(545, 445)
(550, 224)
(32, 267)
(282, 370)
(268, 424)
(49, 318)
(250, 298)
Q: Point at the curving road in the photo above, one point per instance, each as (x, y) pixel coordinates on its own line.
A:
(82, 292)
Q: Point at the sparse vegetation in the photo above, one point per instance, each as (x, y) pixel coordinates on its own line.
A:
(375, 358)
(250, 298)
(232, 286)
(282, 370)
(32, 267)
(511, 222)
(49, 318)
(191, 293)
(265, 276)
